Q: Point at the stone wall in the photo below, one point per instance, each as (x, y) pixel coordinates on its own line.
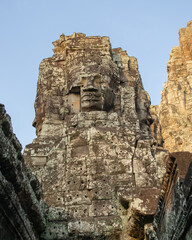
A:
(174, 113)
(98, 154)
(94, 153)
(21, 206)
(172, 129)
(173, 219)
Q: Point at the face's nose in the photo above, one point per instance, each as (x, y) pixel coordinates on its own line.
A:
(90, 82)
(90, 85)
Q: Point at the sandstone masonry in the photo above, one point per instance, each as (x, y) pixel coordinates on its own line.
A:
(172, 128)
(100, 153)
(22, 211)
(174, 213)
(174, 113)
(94, 153)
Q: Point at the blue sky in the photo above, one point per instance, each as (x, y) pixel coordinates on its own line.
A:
(146, 29)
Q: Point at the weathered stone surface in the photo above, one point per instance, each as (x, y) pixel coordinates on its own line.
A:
(172, 126)
(93, 153)
(174, 213)
(156, 130)
(175, 115)
(21, 206)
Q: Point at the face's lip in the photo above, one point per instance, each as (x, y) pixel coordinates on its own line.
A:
(91, 105)
(95, 101)
(87, 97)
(90, 95)
(90, 88)
(92, 99)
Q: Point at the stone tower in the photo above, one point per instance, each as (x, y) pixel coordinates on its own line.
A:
(94, 153)
(174, 113)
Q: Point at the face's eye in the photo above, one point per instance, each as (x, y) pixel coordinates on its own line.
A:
(97, 81)
(75, 89)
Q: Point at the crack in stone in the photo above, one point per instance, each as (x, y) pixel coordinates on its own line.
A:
(132, 164)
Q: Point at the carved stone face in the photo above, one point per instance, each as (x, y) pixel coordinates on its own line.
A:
(96, 95)
(92, 92)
